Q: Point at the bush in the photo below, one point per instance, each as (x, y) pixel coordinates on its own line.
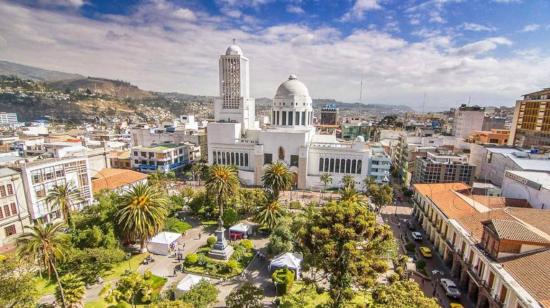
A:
(283, 280)
(393, 278)
(201, 295)
(191, 259)
(420, 264)
(175, 225)
(147, 275)
(230, 217)
(232, 266)
(380, 266)
(247, 244)
(211, 240)
(295, 205)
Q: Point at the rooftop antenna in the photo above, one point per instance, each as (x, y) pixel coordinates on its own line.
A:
(361, 90)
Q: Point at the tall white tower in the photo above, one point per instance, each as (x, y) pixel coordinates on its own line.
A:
(235, 103)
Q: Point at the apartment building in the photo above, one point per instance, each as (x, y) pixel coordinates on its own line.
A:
(162, 158)
(443, 167)
(467, 119)
(149, 137)
(14, 215)
(497, 249)
(531, 123)
(379, 165)
(8, 118)
(40, 176)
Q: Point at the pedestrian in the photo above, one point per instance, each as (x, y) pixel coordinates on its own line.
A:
(200, 234)
(175, 271)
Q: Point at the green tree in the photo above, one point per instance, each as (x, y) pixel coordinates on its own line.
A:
(222, 182)
(283, 279)
(74, 290)
(270, 213)
(160, 179)
(45, 244)
(277, 177)
(281, 239)
(326, 179)
(230, 217)
(63, 197)
(348, 181)
(350, 194)
(401, 294)
(344, 241)
(201, 295)
(17, 287)
(142, 213)
(130, 288)
(369, 180)
(245, 296)
(380, 195)
(175, 225)
(197, 171)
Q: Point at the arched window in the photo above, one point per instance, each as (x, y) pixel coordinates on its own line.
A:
(353, 165)
(219, 157)
(214, 156)
(342, 166)
(326, 165)
(303, 118)
(282, 152)
(223, 158)
(284, 117)
(242, 160)
(297, 120)
(237, 161)
(337, 169)
(359, 165)
(332, 165)
(232, 158)
(246, 159)
(290, 117)
(348, 165)
(321, 164)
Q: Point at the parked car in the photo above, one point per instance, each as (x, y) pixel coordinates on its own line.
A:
(417, 236)
(425, 252)
(450, 288)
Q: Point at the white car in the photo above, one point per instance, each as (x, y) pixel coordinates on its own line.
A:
(417, 236)
(450, 288)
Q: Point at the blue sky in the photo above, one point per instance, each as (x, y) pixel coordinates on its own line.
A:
(490, 50)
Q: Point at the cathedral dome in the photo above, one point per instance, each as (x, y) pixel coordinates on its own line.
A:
(292, 87)
(233, 50)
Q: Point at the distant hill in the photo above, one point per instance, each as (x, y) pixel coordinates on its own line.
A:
(34, 73)
(116, 88)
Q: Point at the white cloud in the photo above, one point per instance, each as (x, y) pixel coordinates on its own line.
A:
(507, 1)
(185, 14)
(62, 3)
(469, 26)
(530, 28)
(360, 7)
(294, 9)
(433, 9)
(184, 57)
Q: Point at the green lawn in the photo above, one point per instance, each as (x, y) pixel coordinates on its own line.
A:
(44, 286)
(123, 266)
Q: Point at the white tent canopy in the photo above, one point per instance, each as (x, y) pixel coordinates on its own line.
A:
(288, 260)
(187, 283)
(160, 243)
(241, 228)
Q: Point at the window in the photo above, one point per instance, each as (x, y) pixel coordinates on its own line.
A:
(290, 118)
(359, 165)
(321, 164)
(215, 156)
(337, 169)
(502, 296)
(353, 166)
(273, 117)
(13, 208)
(237, 161)
(10, 230)
(232, 158)
(241, 159)
(303, 118)
(326, 165)
(342, 166)
(348, 166)
(2, 191)
(7, 210)
(136, 161)
(294, 160)
(10, 189)
(246, 159)
(332, 165)
(284, 117)
(268, 158)
(297, 120)
(135, 153)
(277, 118)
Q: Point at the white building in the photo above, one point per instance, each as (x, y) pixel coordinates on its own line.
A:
(467, 120)
(530, 185)
(41, 176)
(14, 215)
(236, 139)
(161, 158)
(8, 118)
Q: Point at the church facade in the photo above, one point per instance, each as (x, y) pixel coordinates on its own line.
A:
(235, 138)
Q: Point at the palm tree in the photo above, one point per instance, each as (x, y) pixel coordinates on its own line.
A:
(74, 290)
(277, 177)
(368, 181)
(142, 213)
(222, 182)
(270, 213)
(197, 170)
(350, 194)
(45, 244)
(326, 179)
(64, 197)
(348, 181)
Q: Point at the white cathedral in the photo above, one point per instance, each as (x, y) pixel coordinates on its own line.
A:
(235, 138)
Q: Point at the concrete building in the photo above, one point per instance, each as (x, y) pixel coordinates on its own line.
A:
(529, 185)
(14, 215)
(329, 115)
(443, 167)
(40, 176)
(291, 138)
(491, 122)
(161, 158)
(7, 118)
(531, 123)
(494, 136)
(368, 131)
(468, 119)
(153, 136)
(492, 162)
(497, 249)
(120, 159)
